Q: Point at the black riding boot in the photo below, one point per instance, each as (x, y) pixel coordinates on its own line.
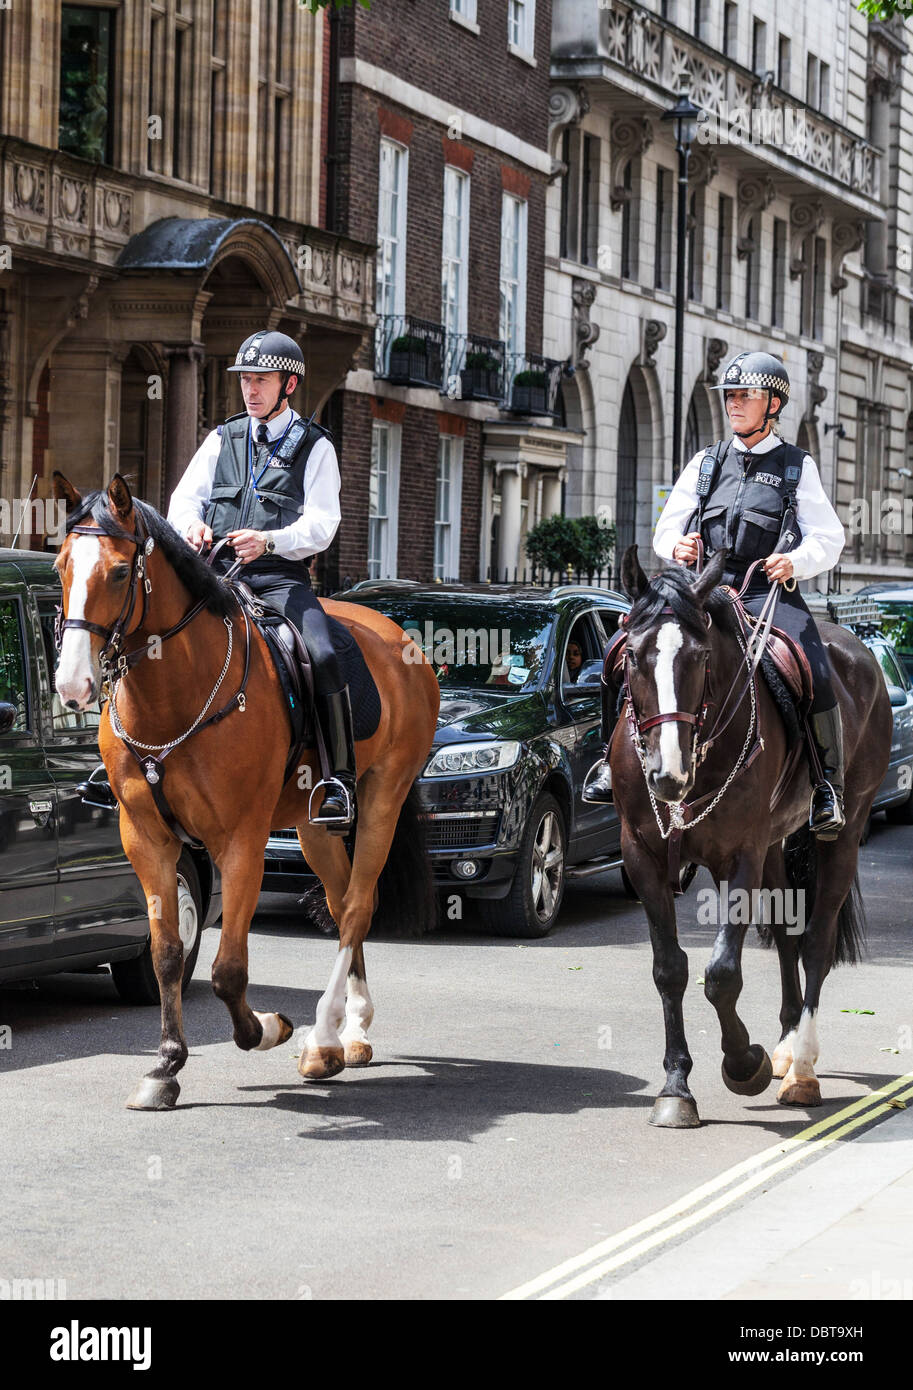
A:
(826, 817)
(337, 810)
(600, 788)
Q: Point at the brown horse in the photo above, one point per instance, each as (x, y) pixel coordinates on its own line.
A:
(684, 654)
(126, 572)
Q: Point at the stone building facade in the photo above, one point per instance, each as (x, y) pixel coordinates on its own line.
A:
(799, 227)
(161, 197)
(450, 438)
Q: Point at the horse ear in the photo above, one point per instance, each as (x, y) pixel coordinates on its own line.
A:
(120, 497)
(633, 579)
(708, 579)
(64, 491)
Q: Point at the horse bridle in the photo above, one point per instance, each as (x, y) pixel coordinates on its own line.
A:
(115, 663)
(676, 716)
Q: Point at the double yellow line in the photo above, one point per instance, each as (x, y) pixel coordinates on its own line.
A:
(672, 1221)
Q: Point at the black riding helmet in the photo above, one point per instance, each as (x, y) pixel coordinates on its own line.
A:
(757, 369)
(269, 351)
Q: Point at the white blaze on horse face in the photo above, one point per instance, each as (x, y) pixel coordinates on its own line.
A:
(76, 675)
(668, 642)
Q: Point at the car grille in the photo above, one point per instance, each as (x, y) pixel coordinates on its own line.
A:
(461, 832)
(447, 830)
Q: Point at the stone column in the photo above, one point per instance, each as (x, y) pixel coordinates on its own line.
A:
(511, 479)
(181, 412)
(551, 493)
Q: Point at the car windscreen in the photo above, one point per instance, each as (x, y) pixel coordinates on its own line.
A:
(898, 628)
(497, 647)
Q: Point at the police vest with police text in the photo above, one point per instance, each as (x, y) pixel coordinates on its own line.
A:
(276, 500)
(745, 508)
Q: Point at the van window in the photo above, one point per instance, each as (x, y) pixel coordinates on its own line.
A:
(13, 683)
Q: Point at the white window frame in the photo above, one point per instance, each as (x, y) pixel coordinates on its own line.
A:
(455, 251)
(447, 547)
(512, 328)
(390, 297)
(521, 27)
(464, 10)
(386, 437)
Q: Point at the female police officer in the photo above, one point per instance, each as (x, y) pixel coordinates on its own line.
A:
(270, 481)
(758, 497)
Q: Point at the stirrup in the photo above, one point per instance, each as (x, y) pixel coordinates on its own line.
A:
(827, 829)
(344, 820)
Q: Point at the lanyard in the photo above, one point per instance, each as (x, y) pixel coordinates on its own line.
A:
(250, 452)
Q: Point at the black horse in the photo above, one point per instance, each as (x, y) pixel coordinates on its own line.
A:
(685, 658)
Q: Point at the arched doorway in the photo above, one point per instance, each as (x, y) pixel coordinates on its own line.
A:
(140, 433)
(700, 431)
(626, 479)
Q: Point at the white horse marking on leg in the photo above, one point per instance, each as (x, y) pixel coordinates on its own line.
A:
(805, 1048)
(359, 1010)
(331, 1006)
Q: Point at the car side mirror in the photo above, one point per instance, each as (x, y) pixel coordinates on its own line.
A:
(897, 696)
(7, 716)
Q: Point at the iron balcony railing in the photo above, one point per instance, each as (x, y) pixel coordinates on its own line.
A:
(409, 351)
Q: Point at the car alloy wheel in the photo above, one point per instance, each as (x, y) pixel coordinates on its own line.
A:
(547, 866)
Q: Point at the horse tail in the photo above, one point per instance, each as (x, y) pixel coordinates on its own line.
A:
(800, 854)
(407, 903)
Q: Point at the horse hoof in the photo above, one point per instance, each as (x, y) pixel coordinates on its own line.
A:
(154, 1093)
(804, 1091)
(276, 1029)
(672, 1112)
(320, 1063)
(754, 1084)
(358, 1053)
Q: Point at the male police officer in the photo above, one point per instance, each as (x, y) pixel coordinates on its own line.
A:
(270, 482)
(760, 498)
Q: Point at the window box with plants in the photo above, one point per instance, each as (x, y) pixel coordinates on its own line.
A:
(480, 379)
(529, 395)
(414, 359)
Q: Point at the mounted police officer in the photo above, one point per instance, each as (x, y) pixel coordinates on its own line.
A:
(761, 499)
(270, 482)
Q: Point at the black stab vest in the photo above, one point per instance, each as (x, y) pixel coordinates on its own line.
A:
(745, 508)
(234, 502)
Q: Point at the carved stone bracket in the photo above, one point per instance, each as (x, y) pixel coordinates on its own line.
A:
(631, 136)
(566, 107)
(805, 218)
(816, 394)
(652, 332)
(703, 167)
(755, 194)
(846, 237)
(586, 333)
(715, 350)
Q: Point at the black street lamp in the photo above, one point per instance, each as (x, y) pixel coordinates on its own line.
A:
(684, 113)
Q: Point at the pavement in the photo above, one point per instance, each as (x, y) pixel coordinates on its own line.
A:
(500, 1135)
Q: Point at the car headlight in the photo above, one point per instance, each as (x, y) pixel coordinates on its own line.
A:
(472, 757)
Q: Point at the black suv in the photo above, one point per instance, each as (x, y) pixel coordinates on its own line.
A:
(517, 733)
(69, 899)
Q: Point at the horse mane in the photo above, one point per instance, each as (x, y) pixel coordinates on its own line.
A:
(201, 582)
(672, 588)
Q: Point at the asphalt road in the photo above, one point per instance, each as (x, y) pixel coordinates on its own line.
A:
(501, 1130)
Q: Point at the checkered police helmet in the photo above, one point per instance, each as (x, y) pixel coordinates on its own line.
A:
(269, 352)
(756, 369)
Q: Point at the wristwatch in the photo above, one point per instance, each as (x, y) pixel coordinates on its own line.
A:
(270, 546)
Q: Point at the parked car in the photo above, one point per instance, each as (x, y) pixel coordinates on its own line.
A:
(895, 795)
(69, 899)
(896, 603)
(518, 731)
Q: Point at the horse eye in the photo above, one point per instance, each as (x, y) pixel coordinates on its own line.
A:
(119, 574)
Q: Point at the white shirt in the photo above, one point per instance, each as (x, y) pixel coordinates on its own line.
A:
(823, 536)
(320, 515)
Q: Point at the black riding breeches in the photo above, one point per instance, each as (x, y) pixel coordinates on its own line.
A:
(793, 617)
(290, 591)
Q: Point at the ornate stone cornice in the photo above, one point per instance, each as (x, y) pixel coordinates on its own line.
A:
(805, 218)
(755, 194)
(715, 350)
(846, 237)
(566, 107)
(652, 332)
(586, 333)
